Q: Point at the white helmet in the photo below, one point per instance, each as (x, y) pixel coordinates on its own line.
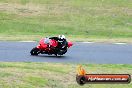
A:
(61, 36)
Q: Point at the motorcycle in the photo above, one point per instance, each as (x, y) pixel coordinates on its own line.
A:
(49, 46)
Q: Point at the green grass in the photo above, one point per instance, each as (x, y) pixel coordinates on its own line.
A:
(95, 19)
(55, 75)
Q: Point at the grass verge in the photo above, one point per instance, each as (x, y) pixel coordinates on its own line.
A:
(72, 38)
(82, 19)
(54, 75)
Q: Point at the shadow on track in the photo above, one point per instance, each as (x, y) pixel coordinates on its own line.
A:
(52, 56)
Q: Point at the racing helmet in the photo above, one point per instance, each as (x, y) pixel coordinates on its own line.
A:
(61, 36)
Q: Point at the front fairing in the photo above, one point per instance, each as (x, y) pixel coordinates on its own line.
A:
(43, 46)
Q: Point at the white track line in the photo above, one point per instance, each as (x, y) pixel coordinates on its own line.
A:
(87, 42)
(26, 41)
(119, 43)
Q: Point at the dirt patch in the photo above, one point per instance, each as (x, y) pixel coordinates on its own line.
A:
(31, 9)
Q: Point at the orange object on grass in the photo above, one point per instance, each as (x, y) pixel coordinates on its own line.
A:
(80, 70)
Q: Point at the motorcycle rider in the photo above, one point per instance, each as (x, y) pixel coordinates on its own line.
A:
(62, 42)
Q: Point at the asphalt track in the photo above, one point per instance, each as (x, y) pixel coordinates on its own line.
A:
(80, 53)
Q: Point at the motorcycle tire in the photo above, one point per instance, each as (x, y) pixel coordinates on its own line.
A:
(34, 51)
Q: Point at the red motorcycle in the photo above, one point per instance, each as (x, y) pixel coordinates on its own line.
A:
(50, 46)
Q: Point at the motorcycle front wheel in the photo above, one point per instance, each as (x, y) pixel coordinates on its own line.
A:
(34, 51)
